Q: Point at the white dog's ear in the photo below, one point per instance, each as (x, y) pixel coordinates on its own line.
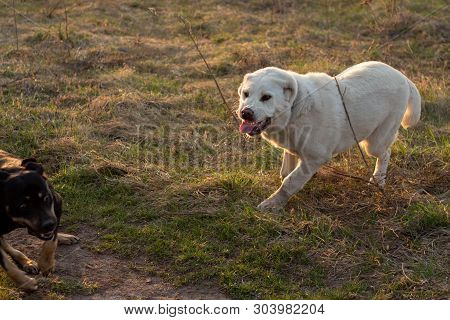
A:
(240, 89)
(290, 89)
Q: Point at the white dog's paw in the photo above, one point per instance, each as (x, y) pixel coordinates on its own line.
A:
(270, 205)
(379, 181)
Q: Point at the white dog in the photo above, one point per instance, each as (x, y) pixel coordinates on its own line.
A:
(304, 115)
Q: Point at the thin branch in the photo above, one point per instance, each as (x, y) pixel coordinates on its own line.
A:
(408, 278)
(23, 16)
(347, 175)
(351, 126)
(4, 85)
(65, 17)
(424, 18)
(50, 14)
(15, 25)
(191, 35)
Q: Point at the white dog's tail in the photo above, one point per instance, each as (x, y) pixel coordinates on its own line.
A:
(412, 114)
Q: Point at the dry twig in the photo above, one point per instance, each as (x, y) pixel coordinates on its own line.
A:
(211, 73)
(424, 19)
(15, 25)
(66, 20)
(408, 278)
(50, 14)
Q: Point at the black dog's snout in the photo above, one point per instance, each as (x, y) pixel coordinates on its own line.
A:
(48, 225)
(247, 114)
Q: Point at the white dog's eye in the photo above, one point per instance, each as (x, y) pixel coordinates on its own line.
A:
(245, 93)
(266, 97)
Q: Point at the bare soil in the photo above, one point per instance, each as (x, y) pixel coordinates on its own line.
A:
(102, 276)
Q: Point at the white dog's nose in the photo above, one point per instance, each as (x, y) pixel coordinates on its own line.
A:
(247, 114)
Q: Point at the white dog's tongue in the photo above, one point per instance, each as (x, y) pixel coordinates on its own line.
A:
(246, 127)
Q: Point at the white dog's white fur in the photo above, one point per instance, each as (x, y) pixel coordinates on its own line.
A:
(308, 121)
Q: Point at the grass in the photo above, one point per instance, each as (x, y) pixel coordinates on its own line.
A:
(421, 218)
(134, 136)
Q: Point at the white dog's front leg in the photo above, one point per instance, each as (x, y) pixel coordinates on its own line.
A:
(291, 184)
(289, 163)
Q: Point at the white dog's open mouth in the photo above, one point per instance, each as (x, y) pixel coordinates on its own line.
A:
(254, 128)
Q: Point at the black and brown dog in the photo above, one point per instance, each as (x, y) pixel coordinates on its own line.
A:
(27, 200)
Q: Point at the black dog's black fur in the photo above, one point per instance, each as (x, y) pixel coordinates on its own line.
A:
(28, 200)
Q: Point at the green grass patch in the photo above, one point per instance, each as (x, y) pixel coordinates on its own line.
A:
(422, 218)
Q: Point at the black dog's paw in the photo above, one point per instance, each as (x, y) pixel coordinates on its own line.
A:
(67, 239)
(47, 267)
(31, 267)
(28, 284)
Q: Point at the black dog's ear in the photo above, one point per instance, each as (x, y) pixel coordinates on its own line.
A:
(27, 160)
(34, 166)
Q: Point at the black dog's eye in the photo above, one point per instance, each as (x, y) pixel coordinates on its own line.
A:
(47, 199)
(245, 94)
(23, 206)
(266, 97)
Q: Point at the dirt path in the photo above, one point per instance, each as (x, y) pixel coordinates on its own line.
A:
(84, 274)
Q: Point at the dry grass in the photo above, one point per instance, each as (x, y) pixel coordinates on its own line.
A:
(126, 119)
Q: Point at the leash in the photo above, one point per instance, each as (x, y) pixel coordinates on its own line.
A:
(338, 172)
(350, 123)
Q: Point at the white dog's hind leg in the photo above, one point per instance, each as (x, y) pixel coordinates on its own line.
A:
(289, 163)
(379, 174)
(378, 145)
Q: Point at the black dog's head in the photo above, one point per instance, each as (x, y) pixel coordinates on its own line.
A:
(27, 199)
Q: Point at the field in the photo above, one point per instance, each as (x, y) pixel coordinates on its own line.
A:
(160, 185)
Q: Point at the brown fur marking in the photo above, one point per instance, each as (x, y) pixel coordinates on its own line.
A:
(46, 260)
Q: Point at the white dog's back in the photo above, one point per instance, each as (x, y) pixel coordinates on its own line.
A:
(375, 95)
(372, 77)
